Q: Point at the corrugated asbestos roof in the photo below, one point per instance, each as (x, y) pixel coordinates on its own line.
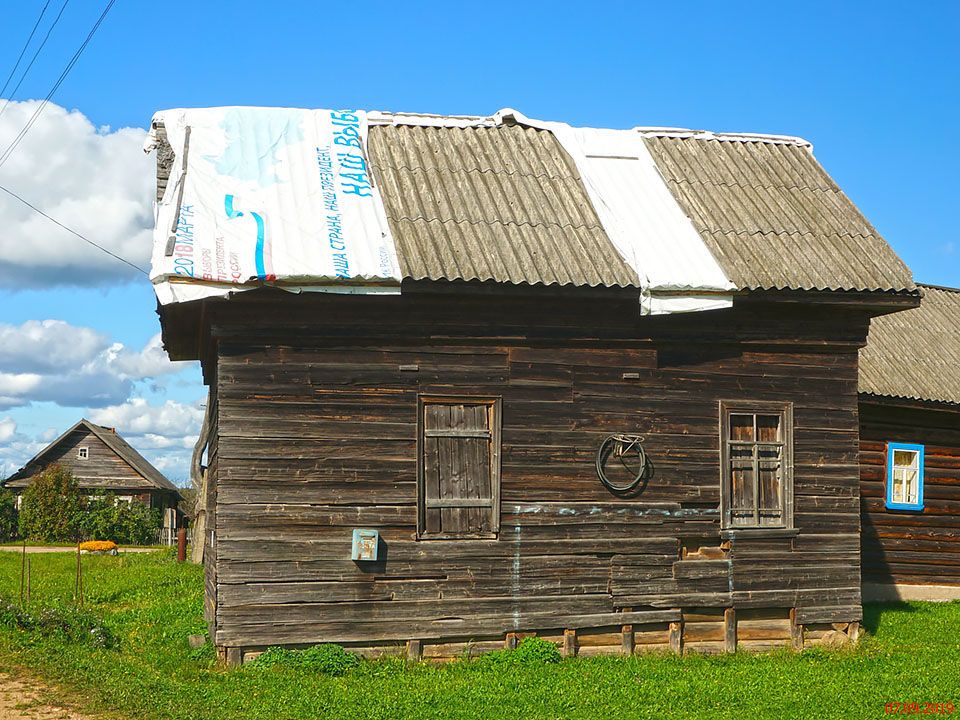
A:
(773, 217)
(506, 203)
(915, 354)
(503, 204)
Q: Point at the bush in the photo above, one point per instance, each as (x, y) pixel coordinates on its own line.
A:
(530, 651)
(132, 523)
(65, 624)
(51, 507)
(9, 529)
(326, 659)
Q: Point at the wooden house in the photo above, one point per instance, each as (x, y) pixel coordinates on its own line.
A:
(510, 444)
(103, 462)
(910, 451)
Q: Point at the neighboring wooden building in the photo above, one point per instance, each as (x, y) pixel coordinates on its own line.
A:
(464, 418)
(910, 451)
(102, 462)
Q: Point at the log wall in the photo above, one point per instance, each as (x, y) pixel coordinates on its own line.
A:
(316, 435)
(904, 546)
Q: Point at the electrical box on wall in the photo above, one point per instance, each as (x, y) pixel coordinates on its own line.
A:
(365, 544)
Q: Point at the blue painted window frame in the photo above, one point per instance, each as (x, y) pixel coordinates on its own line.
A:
(891, 505)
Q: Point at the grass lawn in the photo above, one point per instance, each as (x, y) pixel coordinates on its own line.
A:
(911, 653)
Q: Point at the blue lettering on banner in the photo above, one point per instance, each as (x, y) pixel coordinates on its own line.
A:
(183, 249)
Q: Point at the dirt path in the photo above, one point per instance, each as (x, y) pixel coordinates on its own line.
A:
(22, 700)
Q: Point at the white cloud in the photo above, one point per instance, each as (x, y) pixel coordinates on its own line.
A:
(94, 180)
(7, 428)
(150, 362)
(51, 360)
(165, 433)
(15, 448)
(171, 422)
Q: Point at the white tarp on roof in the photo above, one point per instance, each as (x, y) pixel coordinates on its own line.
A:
(643, 220)
(269, 196)
(275, 196)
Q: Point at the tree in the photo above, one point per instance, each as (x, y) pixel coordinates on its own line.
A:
(8, 516)
(52, 507)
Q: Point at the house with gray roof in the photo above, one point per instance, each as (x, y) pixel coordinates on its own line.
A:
(910, 450)
(472, 378)
(103, 462)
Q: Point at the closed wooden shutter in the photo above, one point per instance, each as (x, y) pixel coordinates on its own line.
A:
(459, 478)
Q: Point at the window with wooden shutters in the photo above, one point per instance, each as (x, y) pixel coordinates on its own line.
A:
(459, 467)
(756, 446)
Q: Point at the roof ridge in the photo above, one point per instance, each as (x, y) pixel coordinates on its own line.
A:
(741, 186)
(562, 226)
(946, 288)
(454, 171)
(691, 134)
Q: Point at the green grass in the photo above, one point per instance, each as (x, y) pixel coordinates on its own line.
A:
(910, 653)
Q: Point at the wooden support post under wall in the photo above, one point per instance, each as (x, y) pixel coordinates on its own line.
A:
(233, 656)
(853, 632)
(730, 630)
(569, 643)
(676, 637)
(414, 650)
(796, 631)
(626, 639)
(510, 641)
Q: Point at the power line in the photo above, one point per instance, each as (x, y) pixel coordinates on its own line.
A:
(24, 50)
(16, 141)
(36, 54)
(56, 85)
(70, 230)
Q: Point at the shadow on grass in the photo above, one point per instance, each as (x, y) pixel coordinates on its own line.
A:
(873, 613)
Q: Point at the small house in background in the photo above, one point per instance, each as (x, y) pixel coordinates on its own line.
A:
(474, 378)
(103, 462)
(910, 451)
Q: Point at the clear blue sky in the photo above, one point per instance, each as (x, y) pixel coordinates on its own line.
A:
(875, 86)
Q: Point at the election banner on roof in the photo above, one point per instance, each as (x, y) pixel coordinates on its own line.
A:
(268, 196)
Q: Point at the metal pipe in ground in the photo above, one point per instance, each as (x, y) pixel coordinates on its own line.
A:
(181, 545)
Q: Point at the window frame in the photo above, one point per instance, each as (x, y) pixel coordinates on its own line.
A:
(83, 452)
(888, 490)
(757, 407)
(495, 402)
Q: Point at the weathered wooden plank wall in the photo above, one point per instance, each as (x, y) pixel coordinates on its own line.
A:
(902, 546)
(317, 435)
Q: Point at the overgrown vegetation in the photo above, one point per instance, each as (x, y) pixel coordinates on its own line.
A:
(54, 510)
(530, 651)
(327, 659)
(126, 523)
(51, 507)
(151, 605)
(9, 523)
(57, 623)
